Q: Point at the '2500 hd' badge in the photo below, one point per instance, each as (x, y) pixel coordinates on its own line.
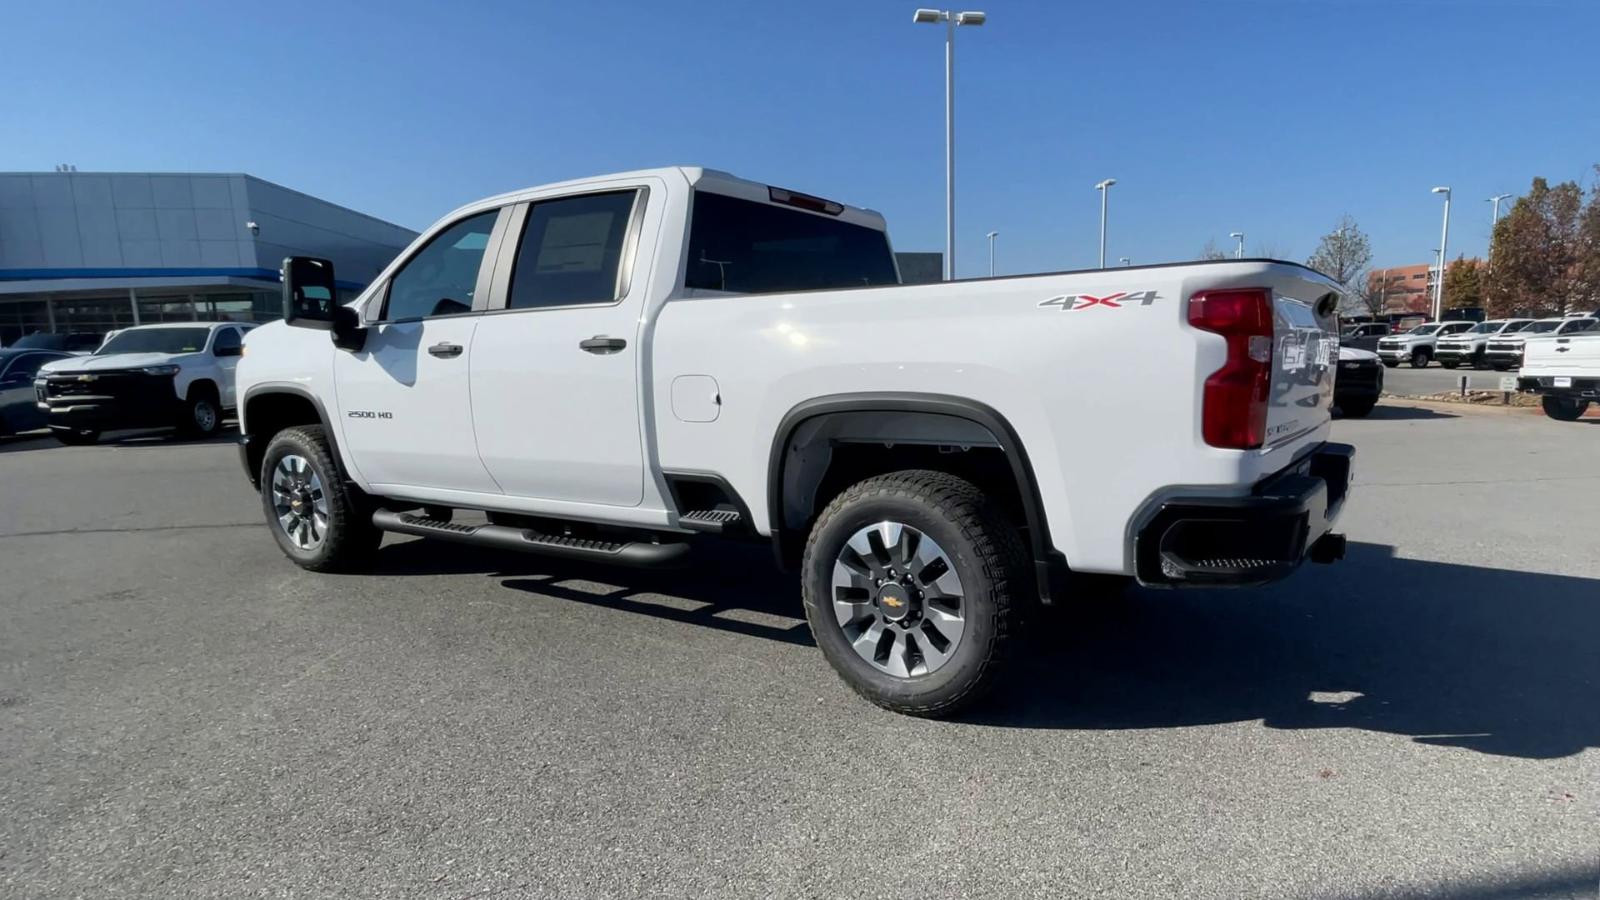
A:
(1075, 302)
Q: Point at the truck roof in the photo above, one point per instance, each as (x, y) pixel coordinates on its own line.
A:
(695, 177)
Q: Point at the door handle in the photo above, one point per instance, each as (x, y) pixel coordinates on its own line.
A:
(445, 350)
(602, 344)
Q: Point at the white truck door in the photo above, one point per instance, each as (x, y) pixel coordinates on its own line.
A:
(403, 399)
(555, 367)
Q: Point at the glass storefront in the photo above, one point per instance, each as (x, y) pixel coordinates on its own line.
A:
(110, 311)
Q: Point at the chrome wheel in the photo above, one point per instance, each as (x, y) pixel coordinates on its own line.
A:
(898, 599)
(299, 502)
(205, 415)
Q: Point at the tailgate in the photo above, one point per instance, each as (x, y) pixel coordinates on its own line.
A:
(1576, 355)
(1305, 346)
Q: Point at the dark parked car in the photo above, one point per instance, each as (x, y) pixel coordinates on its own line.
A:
(1363, 335)
(18, 410)
(1358, 382)
(75, 342)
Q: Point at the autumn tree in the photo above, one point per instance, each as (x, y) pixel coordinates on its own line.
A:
(1343, 255)
(1537, 258)
(1463, 282)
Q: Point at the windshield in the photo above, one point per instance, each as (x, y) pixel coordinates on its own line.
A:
(1485, 328)
(1542, 327)
(1515, 326)
(156, 340)
(1424, 329)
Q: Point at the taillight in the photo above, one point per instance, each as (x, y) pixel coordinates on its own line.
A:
(1234, 411)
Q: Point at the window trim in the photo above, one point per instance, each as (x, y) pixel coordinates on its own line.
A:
(500, 292)
(486, 267)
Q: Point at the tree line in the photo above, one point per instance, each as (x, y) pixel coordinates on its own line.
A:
(1544, 258)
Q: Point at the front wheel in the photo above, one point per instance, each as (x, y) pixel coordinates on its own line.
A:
(1419, 359)
(1563, 409)
(318, 520)
(1391, 365)
(202, 415)
(913, 583)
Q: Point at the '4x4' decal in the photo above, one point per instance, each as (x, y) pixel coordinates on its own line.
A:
(1075, 302)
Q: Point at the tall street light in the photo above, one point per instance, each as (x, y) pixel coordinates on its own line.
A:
(1444, 245)
(1495, 219)
(992, 235)
(1238, 236)
(951, 20)
(1104, 188)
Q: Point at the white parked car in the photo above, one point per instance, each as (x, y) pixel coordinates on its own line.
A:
(1417, 345)
(1470, 347)
(609, 367)
(177, 374)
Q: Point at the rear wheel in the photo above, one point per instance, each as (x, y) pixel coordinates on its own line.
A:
(1565, 409)
(913, 586)
(76, 436)
(318, 520)
(202, 415)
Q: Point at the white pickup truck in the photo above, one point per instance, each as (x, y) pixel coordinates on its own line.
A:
(1565, 371)
(610, 368)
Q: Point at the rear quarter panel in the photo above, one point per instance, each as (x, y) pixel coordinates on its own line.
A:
(1097, 372)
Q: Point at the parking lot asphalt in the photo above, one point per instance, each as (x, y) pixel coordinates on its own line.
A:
(185, 713)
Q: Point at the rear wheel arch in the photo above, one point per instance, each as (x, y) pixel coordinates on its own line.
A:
(802, 475)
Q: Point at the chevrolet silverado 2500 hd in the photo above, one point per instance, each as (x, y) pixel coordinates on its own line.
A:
(610, 367)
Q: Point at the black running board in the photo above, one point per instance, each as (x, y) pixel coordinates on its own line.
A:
(526, 540)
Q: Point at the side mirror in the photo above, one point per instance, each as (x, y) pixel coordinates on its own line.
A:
(309, 296)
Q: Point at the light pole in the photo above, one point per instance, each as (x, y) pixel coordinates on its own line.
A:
(1238, 236)
(1104, 188)
(1125, 260)
(992, 235)
(1444, 244)
(1495, 219)
(951, 20)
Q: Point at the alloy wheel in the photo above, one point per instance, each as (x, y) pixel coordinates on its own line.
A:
(898, 599)
(299, 502)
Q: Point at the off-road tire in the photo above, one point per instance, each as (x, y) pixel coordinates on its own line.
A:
(1563, 409)
(350, 539)
(987, 554)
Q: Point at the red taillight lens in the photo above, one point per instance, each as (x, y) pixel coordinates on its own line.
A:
(1234, 411)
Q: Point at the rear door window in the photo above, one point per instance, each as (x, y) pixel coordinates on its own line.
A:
(748, 247)
(571, 251)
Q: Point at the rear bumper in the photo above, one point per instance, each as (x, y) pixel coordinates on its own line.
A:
(1203, 541)
(1576, 386)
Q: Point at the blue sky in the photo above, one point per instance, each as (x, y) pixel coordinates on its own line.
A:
(1268, 116)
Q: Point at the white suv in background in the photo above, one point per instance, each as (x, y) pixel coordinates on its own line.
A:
(175, 374)
(1417, 345)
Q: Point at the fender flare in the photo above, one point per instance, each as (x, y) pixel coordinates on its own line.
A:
(247, 439)
(1049, 564)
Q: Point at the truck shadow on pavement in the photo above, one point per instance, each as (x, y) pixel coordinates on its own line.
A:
(1390, 413)
(1491, 660)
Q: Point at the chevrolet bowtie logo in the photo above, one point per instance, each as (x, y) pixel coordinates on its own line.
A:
(893, 602)
(85, 377)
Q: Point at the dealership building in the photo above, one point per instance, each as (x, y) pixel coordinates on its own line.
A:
(93, 252)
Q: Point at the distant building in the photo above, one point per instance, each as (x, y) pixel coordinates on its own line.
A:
(90, 251)
(1404, 289)
(920, 268)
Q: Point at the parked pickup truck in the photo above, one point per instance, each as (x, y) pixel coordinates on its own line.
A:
(608, 368)
(1417, 345)
(1565, 371)
(1469, 347)
(177, 374)
(1504, 351)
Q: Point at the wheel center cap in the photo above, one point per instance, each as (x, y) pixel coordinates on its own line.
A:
(297, 504)
(895, 602)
